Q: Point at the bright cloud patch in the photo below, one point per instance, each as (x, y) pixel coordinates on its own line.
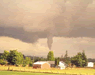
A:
(7, 43)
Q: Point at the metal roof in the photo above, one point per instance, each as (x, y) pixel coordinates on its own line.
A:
(40, 62)
(50, 62)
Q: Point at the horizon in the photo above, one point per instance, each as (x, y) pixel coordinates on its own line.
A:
(47, 54)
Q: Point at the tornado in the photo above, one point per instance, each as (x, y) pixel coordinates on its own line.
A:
(50, 33)
(50, 41)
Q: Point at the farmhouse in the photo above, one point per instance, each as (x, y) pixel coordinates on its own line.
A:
(62, 65)
(42, 65)
(90, 64)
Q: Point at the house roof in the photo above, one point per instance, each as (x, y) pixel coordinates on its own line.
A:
(52, 62)
(39, 62)
(63, 63)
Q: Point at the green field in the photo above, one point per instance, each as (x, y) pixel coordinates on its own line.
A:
(52, 71)
(24, 73)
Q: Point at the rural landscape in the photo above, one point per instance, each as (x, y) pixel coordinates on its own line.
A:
(47, 37)
(16, 61)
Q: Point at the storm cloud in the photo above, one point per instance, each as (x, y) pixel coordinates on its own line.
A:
(29, 20)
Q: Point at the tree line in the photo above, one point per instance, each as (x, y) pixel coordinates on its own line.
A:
(79, 60)
(13, 57)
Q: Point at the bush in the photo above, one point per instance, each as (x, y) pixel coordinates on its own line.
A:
(3, 62)
(24, 65)
(30, 64)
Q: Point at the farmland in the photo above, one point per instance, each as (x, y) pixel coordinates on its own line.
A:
(77, 71)
(22, 73)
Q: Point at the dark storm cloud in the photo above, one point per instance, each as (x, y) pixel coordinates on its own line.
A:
(20, 33)
(29, 20)
(17, 33)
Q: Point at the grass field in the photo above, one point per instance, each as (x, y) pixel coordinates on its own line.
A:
(24, 73)
(69, 71)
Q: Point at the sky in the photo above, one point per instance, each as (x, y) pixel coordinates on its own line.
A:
(34, 27)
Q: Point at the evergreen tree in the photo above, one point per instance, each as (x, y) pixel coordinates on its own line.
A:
(57, 61)
(79, 61)
(66, 55)
(66, 58)
(50, 56)
(84, 59)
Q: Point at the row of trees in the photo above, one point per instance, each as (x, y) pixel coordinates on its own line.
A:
(79, 60)
(14, 58)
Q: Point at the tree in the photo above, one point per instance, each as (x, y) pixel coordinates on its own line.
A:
(84, 59)
(5, 55)
(50, 56)
(66, 58)
(94, 64)
(26, 61)
(66, 55)
(79, 60)
(56, 61)
(15, 57)
(3, 62)
(30, 64)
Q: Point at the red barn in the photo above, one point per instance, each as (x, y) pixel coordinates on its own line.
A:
(42, 65)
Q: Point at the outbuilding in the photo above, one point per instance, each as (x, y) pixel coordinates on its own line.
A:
(90, 64)
(42, 65)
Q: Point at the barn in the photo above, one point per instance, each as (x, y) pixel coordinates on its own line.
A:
(42, 65)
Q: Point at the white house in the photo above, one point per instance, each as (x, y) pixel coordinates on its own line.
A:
(90, 64)
(62, 65)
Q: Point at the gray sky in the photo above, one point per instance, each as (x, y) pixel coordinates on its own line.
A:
(67, 24)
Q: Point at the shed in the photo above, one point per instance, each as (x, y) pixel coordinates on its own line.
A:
(90, 64)
(42, 65)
